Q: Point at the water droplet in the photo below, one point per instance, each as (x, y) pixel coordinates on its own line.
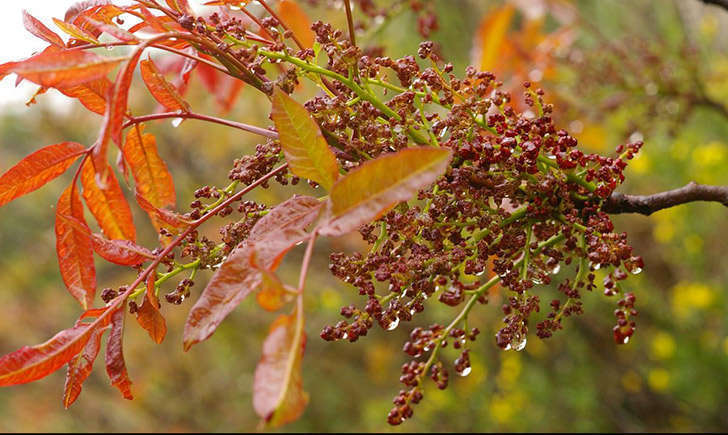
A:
(519, 345)
(393, 325)
(466, 371)
(636, 270)
(596, 266)
(177, 121)
(625, 340)
(427, 348)
(412, 311)
(556, 269)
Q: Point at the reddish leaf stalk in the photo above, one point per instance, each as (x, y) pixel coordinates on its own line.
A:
(160, 47)
(191, 115)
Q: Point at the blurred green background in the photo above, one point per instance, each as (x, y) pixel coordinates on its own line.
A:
(620, 70)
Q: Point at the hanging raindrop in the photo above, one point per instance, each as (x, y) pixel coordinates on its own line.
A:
(177, 121)
(393, 325)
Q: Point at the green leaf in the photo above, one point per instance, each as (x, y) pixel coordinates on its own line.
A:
(304, 146)
(377, 185)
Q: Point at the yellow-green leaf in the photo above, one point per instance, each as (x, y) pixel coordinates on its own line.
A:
(305, 148)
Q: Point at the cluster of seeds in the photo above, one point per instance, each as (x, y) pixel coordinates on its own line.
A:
(518, 201)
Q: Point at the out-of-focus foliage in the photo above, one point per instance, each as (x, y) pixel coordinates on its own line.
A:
(641, 69)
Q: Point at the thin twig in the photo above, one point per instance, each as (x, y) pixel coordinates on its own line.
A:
(720, 3)
(648, 204)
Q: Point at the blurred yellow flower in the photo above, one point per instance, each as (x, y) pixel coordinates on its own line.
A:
(688, 297)
(663, 346)
(658, 379)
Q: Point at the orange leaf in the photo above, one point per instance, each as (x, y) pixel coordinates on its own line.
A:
(122, 252)
(180, 6)
(307, 153)
(120, 97)
(75, 31)
(149, 316)
(161, 216)
(297, 20)
(30, 363)
(54, 68)
(110, 28)
(39, 29)
(273, 294)
(490, 37)
(37, 169)
(106, 201)
(74, 248)
(153, 180)
(92, 94)
(115, 365)
(271, 237)
(278, 395)
(376, 185)
(79, 368)
(162, 91)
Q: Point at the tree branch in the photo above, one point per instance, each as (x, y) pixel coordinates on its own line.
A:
(720, 3)
(648, 204)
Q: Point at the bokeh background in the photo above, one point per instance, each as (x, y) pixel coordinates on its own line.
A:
(615, 70)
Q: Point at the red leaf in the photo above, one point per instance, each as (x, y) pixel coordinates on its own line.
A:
(278, 395)
(271, 237)
(162, 91)
(115, 365)
(37, 169)
(230, 284)
(153, 180)
(39, 29)
(122, 252)
(149, 316)
(92, 94)
(371, 189)
(224, 87)
(106, 201)
(30, 363)
(79, 368)
(54, 68)
(74, 248)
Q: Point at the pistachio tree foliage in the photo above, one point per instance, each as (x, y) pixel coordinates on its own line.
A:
(456, 185)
